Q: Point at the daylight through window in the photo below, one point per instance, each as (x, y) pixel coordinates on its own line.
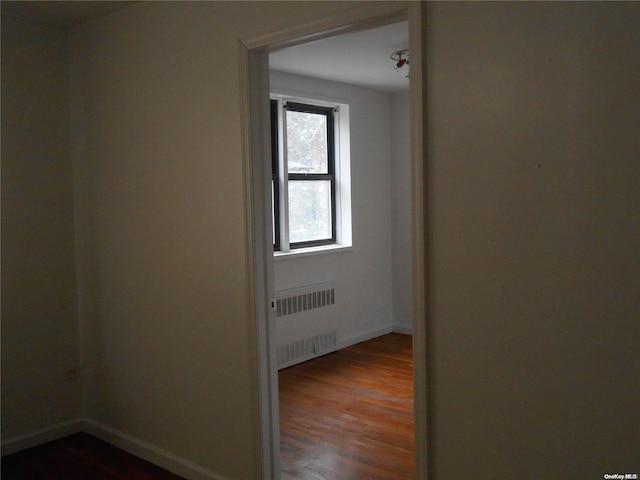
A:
(305, 189)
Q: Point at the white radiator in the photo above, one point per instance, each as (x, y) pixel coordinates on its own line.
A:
(306, 298)
(306, 349)
(298, 300)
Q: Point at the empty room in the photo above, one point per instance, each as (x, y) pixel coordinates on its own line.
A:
(151, 295)
(340, 136)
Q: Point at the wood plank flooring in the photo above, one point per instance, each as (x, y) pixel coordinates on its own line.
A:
(80, 457)
(349, 415)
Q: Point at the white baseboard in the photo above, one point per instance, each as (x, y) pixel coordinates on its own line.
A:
(40, 436)
(364, 336)
(405, 330)
(163, 458)
(156, 455)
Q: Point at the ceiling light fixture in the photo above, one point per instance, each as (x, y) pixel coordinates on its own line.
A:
(401, 61)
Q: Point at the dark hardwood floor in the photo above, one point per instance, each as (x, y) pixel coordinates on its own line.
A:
(349, 415)
(79, 457)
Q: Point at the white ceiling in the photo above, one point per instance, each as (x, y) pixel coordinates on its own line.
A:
(360, 58)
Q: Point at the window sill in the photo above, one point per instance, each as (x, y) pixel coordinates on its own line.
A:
(310, 251)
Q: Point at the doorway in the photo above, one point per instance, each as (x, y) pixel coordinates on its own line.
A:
(254, 74)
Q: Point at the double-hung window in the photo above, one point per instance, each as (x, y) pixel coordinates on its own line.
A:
(305, 187)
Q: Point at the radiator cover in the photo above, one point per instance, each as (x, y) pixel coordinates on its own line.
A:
(289, 302)
(306, 349)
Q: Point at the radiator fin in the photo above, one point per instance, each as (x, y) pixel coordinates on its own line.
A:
(306, 348)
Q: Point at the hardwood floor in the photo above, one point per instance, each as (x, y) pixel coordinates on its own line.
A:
(349, 415)
(79, 457)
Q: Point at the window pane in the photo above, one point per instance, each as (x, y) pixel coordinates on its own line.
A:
(309, 210)
(306, 142)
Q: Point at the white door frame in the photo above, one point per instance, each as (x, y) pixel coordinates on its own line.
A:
(254, 88)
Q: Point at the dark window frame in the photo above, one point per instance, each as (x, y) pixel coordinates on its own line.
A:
(330, 176)
(275, 175)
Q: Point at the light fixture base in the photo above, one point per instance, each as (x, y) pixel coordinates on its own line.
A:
(401, 61)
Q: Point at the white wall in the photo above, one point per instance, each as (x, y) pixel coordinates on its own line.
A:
(401, 245)
(363, 274)
(159, 181)
(533, 201)
(39, 320)
(534, 148)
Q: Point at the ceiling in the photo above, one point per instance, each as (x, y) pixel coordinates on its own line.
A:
(360, 58)
(63, 14)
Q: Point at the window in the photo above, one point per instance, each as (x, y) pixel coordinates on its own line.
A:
(307, 188)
